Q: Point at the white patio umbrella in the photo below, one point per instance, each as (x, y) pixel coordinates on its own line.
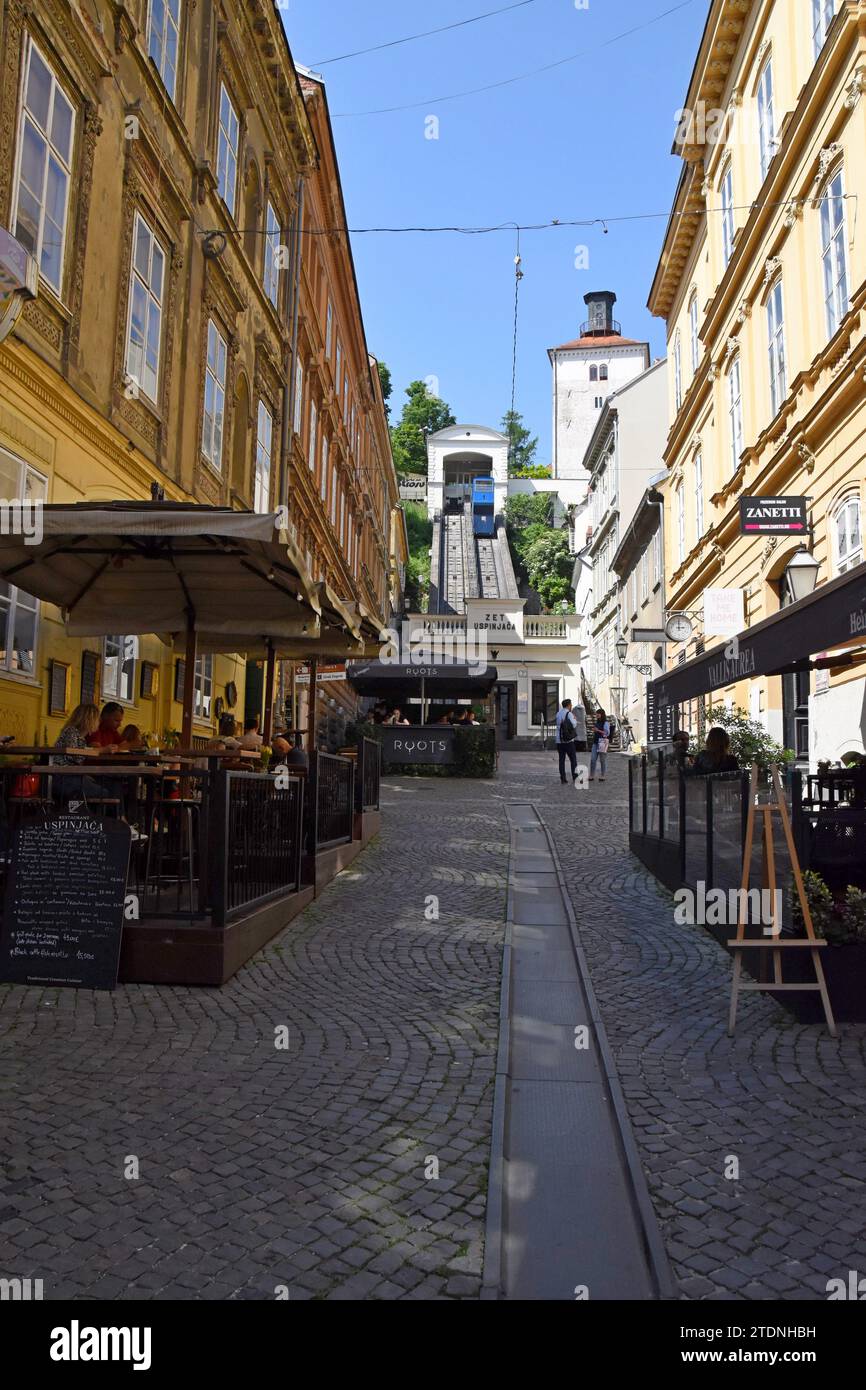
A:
(166, 567)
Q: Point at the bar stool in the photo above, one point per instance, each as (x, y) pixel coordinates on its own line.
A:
(182, 813)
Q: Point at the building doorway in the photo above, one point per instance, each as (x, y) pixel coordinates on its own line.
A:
(505, 706)
(795, 700)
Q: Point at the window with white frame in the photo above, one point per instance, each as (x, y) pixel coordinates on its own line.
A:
(632, 588)
(314, 425)
(203, 688)
(19, 611)
(271, 275)
(834, 252)
(163, 40)
(342, 516)
(144, 327)
(726, 189)
(776, 346)
(338, 365)
(693, 332)
(657, 556)
(119, 655)
(264, 455)
(644, 575)
(323, 470)
(334, 495)
(681, 523)
(299, 397)
(699, 494)
(678, 371)
(45, 137)
(329, 329)
(214, 396)
(848, 535)
(227, 150)
(735, 412)
(822, 17)
(766, 119)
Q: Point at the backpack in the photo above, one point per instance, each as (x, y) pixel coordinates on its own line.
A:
(568, 729)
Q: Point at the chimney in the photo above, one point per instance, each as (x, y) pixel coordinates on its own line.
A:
(600, 319)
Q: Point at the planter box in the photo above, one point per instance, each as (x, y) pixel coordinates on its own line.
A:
(844, 971)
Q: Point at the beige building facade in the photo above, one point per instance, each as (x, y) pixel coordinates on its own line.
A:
(762, 283)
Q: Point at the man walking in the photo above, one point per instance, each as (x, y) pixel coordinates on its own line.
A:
(566, 741)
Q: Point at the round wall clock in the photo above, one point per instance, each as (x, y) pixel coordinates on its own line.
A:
(678, 627)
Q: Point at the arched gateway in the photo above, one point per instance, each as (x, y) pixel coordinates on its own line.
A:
(459, 454)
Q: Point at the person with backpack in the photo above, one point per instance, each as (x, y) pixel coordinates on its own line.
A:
(566, 741)
(600, 745)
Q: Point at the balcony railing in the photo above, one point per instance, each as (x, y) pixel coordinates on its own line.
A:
(593, 330)
(552, 628)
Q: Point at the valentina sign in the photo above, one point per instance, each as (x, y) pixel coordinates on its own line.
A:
(760, 515)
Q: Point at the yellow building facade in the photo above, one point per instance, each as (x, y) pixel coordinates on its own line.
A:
(762, 283)
(153, 159)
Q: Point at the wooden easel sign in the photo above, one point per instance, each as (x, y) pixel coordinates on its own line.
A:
(773, 940)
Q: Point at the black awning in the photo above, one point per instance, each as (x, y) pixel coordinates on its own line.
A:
(834, 616)
(440, 682)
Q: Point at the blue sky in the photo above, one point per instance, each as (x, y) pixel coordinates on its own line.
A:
(588, 139)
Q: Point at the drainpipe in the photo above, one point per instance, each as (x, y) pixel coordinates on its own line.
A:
(289, 386)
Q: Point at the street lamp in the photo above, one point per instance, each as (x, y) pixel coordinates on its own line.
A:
(801, 575)
(620, 646)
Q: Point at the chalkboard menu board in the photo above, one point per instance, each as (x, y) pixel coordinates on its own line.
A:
(65, 896)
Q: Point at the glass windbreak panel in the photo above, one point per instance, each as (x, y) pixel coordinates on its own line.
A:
(653, 792)
(727, 796)
(671, 794)
(696, 831)
(635, 777)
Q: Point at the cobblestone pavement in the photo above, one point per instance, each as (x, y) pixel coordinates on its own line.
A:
(783, 1098)
(304, 1168)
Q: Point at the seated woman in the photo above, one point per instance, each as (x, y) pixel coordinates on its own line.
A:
(717, 756)
(75, 734)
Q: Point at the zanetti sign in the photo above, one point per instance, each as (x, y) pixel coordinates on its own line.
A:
(768, 515)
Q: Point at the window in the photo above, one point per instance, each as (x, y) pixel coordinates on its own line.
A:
(822, 17)
(264, 446)
(834, 252)
(19, 612)
(776, 341)
(545, 701)
(657, 556)
(271, 276)
(214, 397)
(343, 517)
(329, 330)
(338, 366)
(849, 540)
(202, 687)
(766, 121)
(334, 495)
(299, 397)
(44, 169)
(693, 332)
(163, 40)
(227, 150)
(144, 329)
(681, 524)
(118, 668)
(323, 471)
(678, 372)
(726, 189)
(314, 425)
(602, 372)
(644, 575)
(593, 372)
(599, 402)
(633, 592)
(699, 494)
(735, 412)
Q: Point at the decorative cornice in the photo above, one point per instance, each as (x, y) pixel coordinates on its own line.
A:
(772, 266)
(856, 87)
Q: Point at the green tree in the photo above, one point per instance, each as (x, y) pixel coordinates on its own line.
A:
(419, 529)
(385, 381)
(522, 446)
(549, 566)
(423, 414)
(527, 508)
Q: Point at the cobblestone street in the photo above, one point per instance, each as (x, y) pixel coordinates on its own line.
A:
(308, 1168)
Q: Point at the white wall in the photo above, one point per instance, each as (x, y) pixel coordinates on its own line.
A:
(575, 413)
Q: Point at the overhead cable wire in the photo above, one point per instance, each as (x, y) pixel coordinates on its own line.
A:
(411, 38)
(519, 77)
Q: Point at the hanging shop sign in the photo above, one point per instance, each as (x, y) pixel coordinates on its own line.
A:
(760, 516)
(324, 673)
(724, 612)
(659, 718)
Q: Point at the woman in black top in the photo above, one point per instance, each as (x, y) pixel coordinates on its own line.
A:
(717, 756)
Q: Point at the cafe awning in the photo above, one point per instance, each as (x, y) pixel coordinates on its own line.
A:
(833, 617)
(164, 567)
(449, 681)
